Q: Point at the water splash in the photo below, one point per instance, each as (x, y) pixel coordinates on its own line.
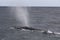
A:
(22, 15)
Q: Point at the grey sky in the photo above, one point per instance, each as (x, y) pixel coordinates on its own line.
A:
(30, 3)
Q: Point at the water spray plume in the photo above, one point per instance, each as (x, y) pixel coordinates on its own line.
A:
(22, 15)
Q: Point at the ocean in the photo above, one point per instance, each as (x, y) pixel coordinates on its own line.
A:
(46, 18)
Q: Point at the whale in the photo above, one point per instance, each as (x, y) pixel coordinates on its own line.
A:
(25, 28)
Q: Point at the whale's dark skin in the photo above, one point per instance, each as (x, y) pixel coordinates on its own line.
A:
(28, 28)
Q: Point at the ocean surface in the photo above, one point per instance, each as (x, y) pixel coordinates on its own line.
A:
(46, 18)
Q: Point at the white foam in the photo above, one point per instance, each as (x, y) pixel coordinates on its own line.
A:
(25, 30)
(56, 32)
(49, 31)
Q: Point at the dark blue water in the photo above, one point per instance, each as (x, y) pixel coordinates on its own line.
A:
(40, 17)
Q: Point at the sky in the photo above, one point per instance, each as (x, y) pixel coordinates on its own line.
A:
(30, 3)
